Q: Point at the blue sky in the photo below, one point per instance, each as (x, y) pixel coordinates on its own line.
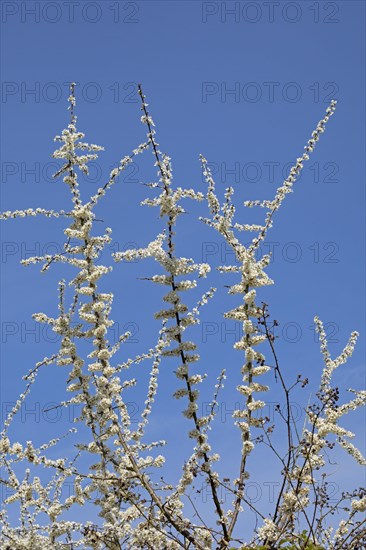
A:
(243, 83)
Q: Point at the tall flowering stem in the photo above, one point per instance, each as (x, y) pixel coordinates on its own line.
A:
(252, 276)
(168, 202)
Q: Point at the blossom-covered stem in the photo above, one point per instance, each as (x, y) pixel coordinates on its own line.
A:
(116, 171)
(84, 223)
(159, 164)
(294, 173)
(74, 187)
(252, 275)
(201, 438)
(246, 439)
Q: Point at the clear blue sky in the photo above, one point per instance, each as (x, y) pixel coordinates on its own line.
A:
(244, 83)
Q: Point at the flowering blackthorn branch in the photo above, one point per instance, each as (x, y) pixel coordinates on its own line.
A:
(168, 202)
